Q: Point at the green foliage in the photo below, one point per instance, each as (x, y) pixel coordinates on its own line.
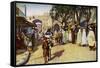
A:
(62, 13)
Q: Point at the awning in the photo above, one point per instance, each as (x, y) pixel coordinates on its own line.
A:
(23, 22)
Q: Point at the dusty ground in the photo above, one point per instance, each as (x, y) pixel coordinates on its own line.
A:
(63, 53)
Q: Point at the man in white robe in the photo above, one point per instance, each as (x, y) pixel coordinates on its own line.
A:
(64, 38)
(84, 38)
(91, 40)
(70, 36)
(79, 37)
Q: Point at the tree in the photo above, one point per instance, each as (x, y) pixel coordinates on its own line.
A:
(60, 13)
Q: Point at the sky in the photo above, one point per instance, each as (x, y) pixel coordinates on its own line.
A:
(34, 9)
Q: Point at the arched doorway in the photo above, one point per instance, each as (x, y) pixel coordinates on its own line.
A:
(56, 27)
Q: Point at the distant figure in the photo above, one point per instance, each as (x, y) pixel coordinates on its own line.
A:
(55, 37)
(60, 37)
(31, 35)
(91, 39)
(70, 36)
(46, 50)
(48, 35)
(84, 39)
(64, 38)
(73, 34)
(79, 37)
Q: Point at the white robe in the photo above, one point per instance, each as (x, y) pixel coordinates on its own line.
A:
(30, 43)
(55, 35)
(79, 37)
(64, 38)
(70, 36)
(91, 38)
(84, 38)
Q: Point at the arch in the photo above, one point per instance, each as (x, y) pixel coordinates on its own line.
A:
(56, 27)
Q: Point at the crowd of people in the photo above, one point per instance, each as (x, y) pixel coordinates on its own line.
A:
(81, 37)
(78, 36)
(49, 38)
(74, 35)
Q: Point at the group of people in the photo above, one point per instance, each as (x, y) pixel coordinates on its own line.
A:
(89, 39)
(80, 37)
(50, 38)
(75, 35)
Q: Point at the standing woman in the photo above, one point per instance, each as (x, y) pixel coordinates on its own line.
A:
(70, 36)
(84, 38)
(66, 35)
(63, 38)
(91, 39)
(79, 37)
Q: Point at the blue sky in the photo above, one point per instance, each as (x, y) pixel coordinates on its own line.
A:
(34, 9)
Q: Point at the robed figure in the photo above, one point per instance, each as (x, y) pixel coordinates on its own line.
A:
(73, 34)
(70, 36)
(91, 39)
(79, 37)
(84, 38)
(64, 37)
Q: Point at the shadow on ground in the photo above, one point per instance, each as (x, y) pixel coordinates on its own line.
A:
(57, 54)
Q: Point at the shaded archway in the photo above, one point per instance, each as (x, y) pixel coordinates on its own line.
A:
(56, 27)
